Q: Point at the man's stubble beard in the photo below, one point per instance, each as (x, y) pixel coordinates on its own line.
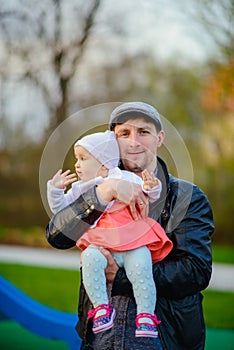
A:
(133, 166)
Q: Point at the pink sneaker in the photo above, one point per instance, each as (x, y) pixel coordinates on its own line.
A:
(147, 325)
(103, 317)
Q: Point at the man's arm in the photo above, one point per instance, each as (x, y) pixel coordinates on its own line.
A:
(69, 224)
(187, 269)
(190, 265)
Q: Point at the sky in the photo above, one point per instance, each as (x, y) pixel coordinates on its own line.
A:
(160, 26)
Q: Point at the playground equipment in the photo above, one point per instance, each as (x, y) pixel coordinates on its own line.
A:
(36, 317)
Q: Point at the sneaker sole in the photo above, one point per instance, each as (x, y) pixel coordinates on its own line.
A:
(146, 334)
(107, 325)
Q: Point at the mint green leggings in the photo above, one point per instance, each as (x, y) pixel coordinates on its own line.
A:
(138, 267)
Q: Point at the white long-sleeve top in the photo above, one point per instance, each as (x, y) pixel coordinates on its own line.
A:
(59, 198)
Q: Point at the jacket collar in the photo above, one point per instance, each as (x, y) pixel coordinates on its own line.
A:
(160, 209)
(162, 173)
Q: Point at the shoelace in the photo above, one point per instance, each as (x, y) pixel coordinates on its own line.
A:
(92, 312)
(147, 315)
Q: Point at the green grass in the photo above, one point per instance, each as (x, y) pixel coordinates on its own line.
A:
(223, 254)
(218, 309)
(16, 337)
(53, 287)
(59, 289)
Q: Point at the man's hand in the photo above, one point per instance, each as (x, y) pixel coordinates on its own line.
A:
(61, 180)
(111, 268)
(126, 192)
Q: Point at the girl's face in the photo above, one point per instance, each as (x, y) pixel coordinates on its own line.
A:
(87, 166)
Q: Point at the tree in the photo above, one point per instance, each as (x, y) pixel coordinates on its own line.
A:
(44, 43)
(216, 19)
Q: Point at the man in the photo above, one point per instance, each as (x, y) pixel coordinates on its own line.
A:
(184, 212)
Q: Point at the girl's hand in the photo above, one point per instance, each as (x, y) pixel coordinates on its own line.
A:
(149, 180)
(61, 180)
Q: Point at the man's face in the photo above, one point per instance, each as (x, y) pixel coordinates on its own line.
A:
(138, 142)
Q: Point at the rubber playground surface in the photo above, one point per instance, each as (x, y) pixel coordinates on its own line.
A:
(14, 336)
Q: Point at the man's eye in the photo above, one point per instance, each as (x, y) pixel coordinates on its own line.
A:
(144, 132)
(123, 134)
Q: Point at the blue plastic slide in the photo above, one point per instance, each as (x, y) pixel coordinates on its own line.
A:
(36, 317)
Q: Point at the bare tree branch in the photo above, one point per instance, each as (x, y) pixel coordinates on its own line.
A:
(79, 45)
(37, 46)
(216, 19)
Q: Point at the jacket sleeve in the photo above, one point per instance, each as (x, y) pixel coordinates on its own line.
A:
(153, 193)
(68, 225)
(187, 269)
(56, 198)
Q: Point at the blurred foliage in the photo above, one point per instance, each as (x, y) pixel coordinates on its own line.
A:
(217, 146)
(42, 44)
(197, 98)
(20, 203)
(208, 132)
(26, 236)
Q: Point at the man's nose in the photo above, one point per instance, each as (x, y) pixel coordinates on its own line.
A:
(133, 138)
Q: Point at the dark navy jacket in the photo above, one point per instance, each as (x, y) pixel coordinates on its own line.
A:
(185, 213)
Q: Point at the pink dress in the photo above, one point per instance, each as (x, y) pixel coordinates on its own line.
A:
(117, 231)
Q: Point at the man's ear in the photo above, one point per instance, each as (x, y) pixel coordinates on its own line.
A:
(160, 136)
